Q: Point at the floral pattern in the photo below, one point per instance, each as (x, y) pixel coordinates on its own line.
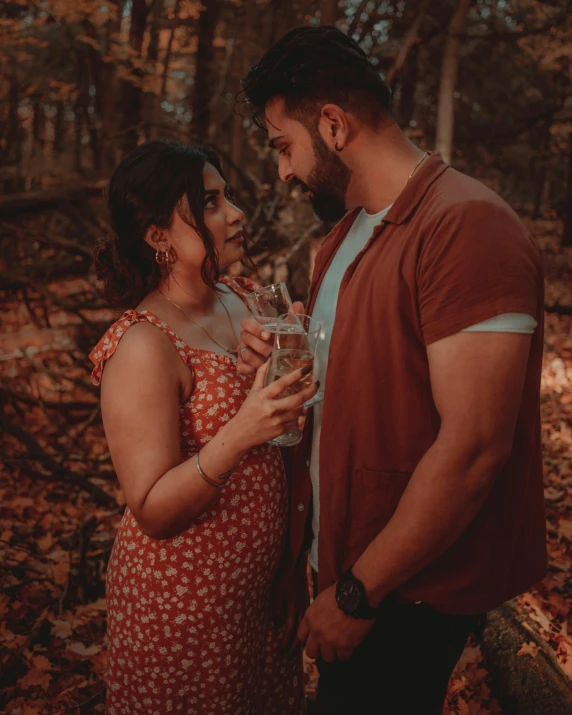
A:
(189, 618)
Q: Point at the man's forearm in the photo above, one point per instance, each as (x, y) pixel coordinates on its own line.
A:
(443, 496)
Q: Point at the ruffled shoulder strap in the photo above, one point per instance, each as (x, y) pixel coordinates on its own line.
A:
(109, 342)
(240, 285)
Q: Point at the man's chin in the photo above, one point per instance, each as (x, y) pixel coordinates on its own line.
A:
(328, 210)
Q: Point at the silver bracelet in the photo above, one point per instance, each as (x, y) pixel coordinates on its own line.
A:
(218, 485)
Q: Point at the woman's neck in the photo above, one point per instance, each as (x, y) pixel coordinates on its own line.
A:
(193, 295)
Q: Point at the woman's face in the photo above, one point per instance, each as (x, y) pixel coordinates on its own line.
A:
(223, 219)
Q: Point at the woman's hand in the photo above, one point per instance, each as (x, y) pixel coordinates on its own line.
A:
(265, 415)
(256, 343)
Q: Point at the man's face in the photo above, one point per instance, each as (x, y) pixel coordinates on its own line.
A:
(306, 160)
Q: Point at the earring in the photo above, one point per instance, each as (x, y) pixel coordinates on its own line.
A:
(162, 256)
(337, 148)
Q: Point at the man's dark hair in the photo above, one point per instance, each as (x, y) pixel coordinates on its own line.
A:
(311, 66)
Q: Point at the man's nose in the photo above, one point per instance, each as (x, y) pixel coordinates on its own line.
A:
(284, 169)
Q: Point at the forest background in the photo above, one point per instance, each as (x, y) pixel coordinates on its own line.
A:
(485, 82)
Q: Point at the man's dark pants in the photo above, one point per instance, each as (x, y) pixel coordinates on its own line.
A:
(402, 667)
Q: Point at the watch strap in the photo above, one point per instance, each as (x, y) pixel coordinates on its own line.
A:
(362, 610)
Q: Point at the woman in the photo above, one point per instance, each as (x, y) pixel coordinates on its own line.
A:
(189, 578)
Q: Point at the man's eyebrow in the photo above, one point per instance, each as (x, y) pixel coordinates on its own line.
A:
(273, 141)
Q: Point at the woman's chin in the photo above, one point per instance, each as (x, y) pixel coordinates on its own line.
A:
(232, 254)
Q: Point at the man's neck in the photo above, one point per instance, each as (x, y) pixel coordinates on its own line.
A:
(381, 164)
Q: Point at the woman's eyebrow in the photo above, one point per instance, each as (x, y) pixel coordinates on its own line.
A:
(212, 191)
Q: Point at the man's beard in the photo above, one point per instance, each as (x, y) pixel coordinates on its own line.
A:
(328, 181)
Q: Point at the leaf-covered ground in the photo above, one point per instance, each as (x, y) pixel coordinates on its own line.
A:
(55, 538)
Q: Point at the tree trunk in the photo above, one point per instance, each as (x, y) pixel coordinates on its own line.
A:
(12, 154)
(329, 12)
(167, 60)
(38, 128)
(410, 39)
(58, 143)
(131, 105)
(106, 85)
(151, 96)
(567, 228)
(242, 62)
(204, 70)
(449, 70)
(527, 680)
(407, 79)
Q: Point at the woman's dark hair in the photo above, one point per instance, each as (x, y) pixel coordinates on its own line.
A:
(310, 66)
(145, 190)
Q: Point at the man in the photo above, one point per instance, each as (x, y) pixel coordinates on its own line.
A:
(422, 466)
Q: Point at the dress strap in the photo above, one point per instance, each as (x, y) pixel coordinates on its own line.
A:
(109, 342)
(240, 285)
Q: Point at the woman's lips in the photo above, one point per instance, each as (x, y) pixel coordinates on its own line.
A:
(238, 238)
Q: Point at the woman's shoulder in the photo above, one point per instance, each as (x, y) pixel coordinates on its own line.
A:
(134, 336)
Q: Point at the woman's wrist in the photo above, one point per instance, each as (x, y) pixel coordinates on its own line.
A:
(230, 443)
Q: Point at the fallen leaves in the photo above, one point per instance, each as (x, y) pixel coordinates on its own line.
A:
(83, 650)
(52, 609)
(530, 649)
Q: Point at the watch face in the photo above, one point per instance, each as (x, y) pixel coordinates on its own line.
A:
(351, 595)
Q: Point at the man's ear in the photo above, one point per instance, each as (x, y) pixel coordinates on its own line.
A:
(333, 126)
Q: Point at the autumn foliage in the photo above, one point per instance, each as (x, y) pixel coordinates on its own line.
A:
(83, 83)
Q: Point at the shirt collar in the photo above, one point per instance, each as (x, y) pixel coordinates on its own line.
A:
(416, 188)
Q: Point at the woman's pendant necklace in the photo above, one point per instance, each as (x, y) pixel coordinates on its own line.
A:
(232, 353)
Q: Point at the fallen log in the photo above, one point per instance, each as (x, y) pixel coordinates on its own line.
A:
(560, 309)
(32, 201)
(527, 678)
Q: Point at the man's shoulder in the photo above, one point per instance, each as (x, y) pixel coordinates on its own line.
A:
(457, 194)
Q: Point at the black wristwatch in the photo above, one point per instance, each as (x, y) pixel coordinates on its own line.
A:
(351, 598)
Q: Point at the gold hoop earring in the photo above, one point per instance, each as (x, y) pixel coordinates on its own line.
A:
(161, 257)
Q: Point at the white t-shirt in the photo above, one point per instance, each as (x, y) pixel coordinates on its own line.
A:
(325, 311)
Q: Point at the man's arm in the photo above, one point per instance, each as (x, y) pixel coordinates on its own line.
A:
(477, 381)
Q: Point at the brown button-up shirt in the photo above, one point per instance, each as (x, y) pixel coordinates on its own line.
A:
(449, 254)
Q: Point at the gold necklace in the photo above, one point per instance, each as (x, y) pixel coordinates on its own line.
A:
(426, 154)
(209, 336)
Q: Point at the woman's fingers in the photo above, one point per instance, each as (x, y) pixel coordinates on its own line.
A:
(295, 402)
(278, 386)
(253, 349)
(260, 378)
(257, 341)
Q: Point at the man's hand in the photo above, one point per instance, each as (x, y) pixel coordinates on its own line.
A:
(328, 632)
(256, 344)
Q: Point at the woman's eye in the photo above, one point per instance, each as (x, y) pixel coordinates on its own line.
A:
(210, 203)
(229, 196)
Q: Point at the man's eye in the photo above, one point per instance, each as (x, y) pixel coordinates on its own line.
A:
(282, 151)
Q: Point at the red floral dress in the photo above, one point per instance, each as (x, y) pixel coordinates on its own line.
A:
(189, 618)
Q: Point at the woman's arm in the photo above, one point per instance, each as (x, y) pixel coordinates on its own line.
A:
(141, 392)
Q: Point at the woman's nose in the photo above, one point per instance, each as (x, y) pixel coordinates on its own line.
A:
(236, 215)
